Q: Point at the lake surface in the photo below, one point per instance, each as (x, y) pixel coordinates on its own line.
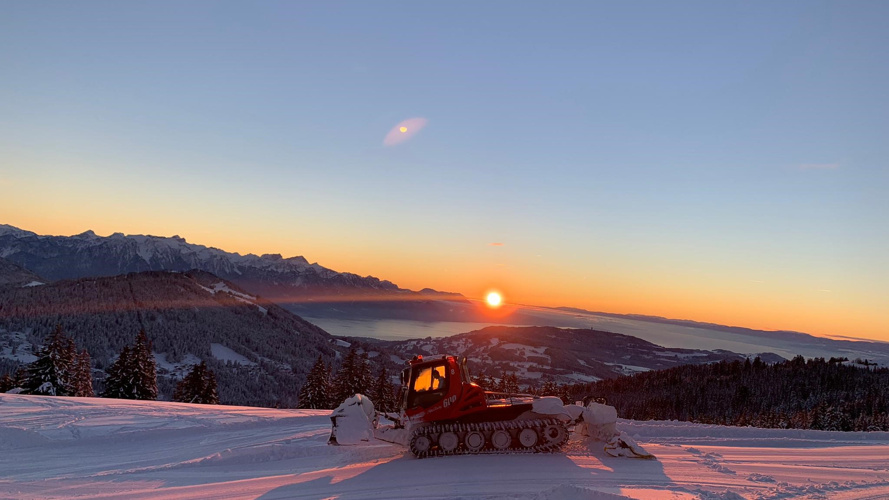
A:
(667, 335)
(657, 333)
(395, 329)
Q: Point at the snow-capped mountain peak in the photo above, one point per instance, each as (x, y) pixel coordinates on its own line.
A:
(88, 255)
(6, 229)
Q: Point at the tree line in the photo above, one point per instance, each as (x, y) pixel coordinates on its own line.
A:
(326, 389)
(60, 370)
(817, 394)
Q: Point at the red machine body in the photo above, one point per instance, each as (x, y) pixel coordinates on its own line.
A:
(439, 389)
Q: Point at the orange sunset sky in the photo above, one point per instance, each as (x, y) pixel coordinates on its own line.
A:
(716, 162)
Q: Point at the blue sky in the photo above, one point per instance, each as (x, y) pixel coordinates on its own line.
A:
(703, 160)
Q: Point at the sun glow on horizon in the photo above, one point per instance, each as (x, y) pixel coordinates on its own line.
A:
(494, 299)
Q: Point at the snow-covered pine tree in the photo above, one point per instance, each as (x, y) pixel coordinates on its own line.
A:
(199, 386)
(351, 378)
(120, 377)
(50, 375)
(365, 370)
(316, 392)
(549, 388)
(145, 368)
(82, 383)
(484, 382)
(20, 378)
(509, 383)
(210, 395)
(70, 353)
(382, 394)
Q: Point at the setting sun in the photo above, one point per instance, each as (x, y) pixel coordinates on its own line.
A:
(494, 299)
(403, 129)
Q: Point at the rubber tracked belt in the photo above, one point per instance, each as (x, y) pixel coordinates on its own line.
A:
(486, 428)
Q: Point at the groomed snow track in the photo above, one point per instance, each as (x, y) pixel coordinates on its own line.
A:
(477, 438)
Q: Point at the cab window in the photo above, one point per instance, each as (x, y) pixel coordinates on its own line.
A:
(428, 386)
(431, 378)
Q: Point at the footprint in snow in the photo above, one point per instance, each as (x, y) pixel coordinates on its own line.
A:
(710, 460)
(760, 478)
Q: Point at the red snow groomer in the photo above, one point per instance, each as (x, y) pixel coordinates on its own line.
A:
(448, 414)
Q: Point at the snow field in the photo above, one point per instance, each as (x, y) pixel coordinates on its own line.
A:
(223, 353)
(102, 448)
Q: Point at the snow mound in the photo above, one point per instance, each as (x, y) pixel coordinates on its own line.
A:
(353, 421)
(598, 422)
(551, 405)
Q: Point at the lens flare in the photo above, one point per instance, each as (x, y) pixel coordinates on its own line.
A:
(403, 131)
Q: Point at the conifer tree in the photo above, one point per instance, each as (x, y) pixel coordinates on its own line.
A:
(198, 387)
(509, 384)
(145, 368)
(316, 392)
(382, 394)
(365, 373)
(120, 379)
(50, 375)
(352, 377)
(484, 382)
(82, 382)
(134, 374)
(20, 378)
(549, 388)
(70, 354)
(6, 383)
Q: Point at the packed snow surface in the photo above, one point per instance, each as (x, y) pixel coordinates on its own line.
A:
(241, 297)
(105, 448)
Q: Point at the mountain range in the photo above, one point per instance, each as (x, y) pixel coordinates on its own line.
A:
(308, 289)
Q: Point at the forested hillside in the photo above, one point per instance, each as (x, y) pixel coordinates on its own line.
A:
(813, 394)
(12, 274)
(260, 352)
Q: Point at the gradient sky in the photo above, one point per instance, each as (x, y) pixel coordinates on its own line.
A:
(713, 161)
